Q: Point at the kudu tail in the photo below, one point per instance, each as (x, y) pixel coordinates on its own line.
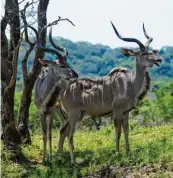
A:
(63, 114)
(65, 129)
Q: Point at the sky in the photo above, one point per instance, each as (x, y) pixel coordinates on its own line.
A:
(92, 21)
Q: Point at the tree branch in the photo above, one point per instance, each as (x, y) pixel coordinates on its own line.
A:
(23, 16)
(24, 60)
(56, 22)
(14, 66)
(31, 44)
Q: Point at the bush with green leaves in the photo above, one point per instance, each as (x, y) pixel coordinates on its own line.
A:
(159, 110)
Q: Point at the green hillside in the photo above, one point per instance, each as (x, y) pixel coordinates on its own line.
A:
(98, 60)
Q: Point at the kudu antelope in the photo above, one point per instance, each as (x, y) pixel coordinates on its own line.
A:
(114, 93)
(56, 79)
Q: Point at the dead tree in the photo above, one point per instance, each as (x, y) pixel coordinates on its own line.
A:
(9, 54)
(10, 50)
(30, 77)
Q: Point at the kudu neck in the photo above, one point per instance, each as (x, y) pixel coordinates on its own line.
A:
(138, 76)
(55, 80)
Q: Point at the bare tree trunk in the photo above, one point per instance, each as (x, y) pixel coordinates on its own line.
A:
(9, 60)
(29, 78)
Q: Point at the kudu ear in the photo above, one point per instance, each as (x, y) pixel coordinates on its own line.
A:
(127, 52)
(45, 62)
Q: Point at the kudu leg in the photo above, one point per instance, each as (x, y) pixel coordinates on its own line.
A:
(63, 118)
(64, 129)
(71, 143)
(73, 118)
(117, 125)
(63, 133)
(49, 120)
(125, 125)
(44, 131)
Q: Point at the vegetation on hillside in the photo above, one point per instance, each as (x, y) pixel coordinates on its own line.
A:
(98, 60)
(159, 110)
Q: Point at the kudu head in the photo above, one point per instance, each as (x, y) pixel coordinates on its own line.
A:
(144, 57)
(58, 68)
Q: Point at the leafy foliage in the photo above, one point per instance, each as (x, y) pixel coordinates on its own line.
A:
(159, 110)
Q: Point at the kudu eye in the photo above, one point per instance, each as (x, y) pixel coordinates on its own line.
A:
(150, 57)
(71, 73)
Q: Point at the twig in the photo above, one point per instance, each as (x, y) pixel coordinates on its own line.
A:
(58, 20)
(24, 60)
(14, 63)
(23, 16)
(21, 2)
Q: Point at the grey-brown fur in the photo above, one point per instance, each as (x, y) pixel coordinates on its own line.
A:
(53, 79)
(115, 93)
(146, 86)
